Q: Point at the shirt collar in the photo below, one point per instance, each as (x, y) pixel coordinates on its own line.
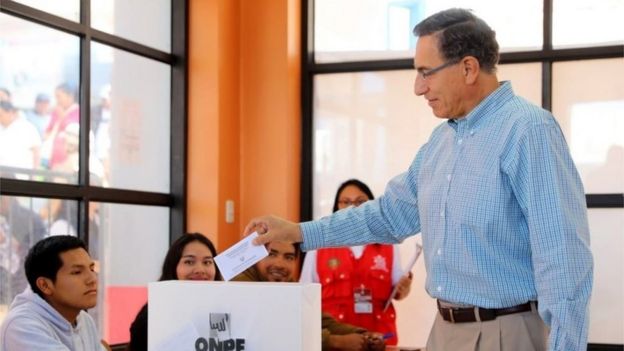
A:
(486, 107)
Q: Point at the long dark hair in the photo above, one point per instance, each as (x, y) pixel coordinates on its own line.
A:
(175, 253)
(363, 187)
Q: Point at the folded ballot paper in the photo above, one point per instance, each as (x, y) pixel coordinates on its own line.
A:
(408, 269)
(240, 256)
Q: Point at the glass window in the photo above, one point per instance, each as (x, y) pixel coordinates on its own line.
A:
(369, 125)
(39, 74)
(585, 113)
(69, 9)
(23, 222)
(574, 27)
(526, 80)
(359, 120)
(147, 22)
(383, 29)
(129, 244)
(607, 243)
(130, 120)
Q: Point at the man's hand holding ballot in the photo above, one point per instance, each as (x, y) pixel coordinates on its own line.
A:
(272, 228)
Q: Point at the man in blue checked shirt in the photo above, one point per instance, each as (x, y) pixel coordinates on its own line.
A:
(496, 196)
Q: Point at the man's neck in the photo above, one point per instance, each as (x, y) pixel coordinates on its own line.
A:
(485, 86)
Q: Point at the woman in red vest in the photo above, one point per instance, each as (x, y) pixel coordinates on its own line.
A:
(357, 281)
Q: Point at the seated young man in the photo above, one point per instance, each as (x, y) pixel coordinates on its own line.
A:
(50, 315)
(282, 265)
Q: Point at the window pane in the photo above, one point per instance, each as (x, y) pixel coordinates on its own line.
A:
(370, 125)
(69, 9)
(360, 119)
(130, 120)
(147, 22)
(583, 23)
(23, 222)
(39, 77)
(526, 80)
(593, 119)
(129, 243)
(607, 244)
(383, 29)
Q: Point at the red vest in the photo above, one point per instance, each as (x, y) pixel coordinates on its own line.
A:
(340, 273)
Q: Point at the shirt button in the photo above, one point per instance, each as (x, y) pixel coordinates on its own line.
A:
(472, 132)
(442, 213)
(439, 288)
(342, 276)
(448, 177)
(459, 141)
(439, 252)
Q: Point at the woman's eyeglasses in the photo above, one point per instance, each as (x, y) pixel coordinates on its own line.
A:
(355, 202)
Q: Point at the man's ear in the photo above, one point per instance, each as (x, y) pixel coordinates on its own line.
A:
(471, 68)
(45, 285)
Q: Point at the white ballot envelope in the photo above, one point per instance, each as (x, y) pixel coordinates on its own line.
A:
(240, 256)
(410, 265)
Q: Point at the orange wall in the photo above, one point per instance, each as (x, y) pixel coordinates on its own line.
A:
(244, 113)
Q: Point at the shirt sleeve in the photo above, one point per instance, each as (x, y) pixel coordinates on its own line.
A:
(548, 188)
(308, 271)
(388, 219)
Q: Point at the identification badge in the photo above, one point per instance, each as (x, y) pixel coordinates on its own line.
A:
(363, 299)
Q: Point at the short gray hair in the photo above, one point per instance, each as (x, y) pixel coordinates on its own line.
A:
(460, 33)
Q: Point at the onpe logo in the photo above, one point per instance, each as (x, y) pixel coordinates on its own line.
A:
(220, 338)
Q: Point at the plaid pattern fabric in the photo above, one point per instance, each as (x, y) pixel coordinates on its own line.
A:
(502, 212)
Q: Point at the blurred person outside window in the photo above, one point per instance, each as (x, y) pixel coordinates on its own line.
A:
(5, 94)
(101, 116)
(20, 228)
(61, 216)
(70, 142)
(40, 115)
(65, 112)
(19, 140)
(100, 123)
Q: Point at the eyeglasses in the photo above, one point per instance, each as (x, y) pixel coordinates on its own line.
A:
(348, 202)
(425, 73)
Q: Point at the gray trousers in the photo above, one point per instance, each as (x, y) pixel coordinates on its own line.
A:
(514, 332)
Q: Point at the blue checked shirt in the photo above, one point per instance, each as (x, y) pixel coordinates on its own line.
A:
(502, 212)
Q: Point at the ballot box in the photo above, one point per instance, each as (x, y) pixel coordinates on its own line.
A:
(233, 316)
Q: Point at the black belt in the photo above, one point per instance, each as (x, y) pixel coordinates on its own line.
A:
(474, 314)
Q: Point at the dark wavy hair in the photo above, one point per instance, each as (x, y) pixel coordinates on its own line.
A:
(6, 91)
(44, 258)
(7, 106)
(69, 89)
(460, 33)
(360, 185)
(175, 253)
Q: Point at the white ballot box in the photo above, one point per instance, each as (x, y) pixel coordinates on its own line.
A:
(233, 316)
